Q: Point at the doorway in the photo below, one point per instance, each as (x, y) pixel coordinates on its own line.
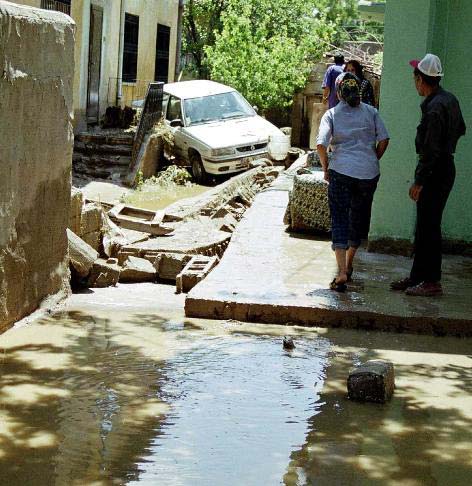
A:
(94, 62)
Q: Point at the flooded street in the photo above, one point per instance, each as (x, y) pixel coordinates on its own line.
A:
(121, 388)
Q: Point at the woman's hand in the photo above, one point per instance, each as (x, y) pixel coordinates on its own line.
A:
(326, 176)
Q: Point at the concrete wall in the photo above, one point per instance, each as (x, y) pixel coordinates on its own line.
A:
(411, 30)
(36, 48)
(150, 12)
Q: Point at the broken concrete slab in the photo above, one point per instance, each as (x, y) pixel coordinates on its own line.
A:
(114, 237)
(81, 255)
(242, 185)
(169, 265)
(91, 219)
(103, 273)
(372, 381)
(139, 219)
(94, 239)
(195, 237)
(197, 269)
(137, 270)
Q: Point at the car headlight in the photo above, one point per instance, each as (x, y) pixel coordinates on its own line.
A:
(222, 151)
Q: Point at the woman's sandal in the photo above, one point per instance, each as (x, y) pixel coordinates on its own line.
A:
(338, 286)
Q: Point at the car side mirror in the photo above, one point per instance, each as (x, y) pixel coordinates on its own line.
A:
(176, 123)
(255, 108)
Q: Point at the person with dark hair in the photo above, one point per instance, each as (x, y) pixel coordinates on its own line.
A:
(437, 134)
(367, 91)
(329, 91)
(358, 139)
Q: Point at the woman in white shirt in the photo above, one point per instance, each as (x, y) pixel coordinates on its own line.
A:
(358, 139)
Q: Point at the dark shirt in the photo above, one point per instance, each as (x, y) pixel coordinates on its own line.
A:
(329, 81)
(367, 92)
(440, 128)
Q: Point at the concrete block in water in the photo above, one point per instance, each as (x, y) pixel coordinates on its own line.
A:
(372, 381)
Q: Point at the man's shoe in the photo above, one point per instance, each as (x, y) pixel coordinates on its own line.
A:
(425, 289)
(402, 284)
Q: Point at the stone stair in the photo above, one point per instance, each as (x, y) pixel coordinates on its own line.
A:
(102, 155)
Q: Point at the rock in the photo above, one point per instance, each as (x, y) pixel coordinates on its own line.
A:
(91, 219)
(81, 255)
(76, 203)
(137, 270)
(104, 273)
(372, 381)
(113, 260)
(288, 343)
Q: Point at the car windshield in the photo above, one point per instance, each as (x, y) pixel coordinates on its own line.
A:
(218, 107)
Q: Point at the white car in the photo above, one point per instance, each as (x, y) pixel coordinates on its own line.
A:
(216, 131)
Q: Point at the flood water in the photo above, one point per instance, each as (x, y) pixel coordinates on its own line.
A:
(156, 198)
(138, 398)
(125, 390)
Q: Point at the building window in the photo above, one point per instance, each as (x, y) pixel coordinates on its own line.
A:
(161, 69)
(130, 48)
(59, 5)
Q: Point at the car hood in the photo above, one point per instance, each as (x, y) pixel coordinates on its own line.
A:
(229, 133)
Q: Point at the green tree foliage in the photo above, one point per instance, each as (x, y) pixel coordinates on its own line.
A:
(202, 22)
(266, 48)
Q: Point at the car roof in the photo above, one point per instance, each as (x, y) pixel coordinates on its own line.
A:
(196, 88)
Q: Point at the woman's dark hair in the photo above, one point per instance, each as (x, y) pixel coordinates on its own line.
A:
(357, 67)
(432, 81)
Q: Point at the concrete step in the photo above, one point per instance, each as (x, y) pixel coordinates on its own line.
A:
(91, 148)
(104, 160)
(99, 173)
(106, 139)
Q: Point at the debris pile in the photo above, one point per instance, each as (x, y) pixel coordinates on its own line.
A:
(179, 244)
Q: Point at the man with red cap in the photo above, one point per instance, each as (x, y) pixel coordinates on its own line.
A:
(440, 128)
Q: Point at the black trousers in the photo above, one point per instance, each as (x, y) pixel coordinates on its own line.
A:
(428, 239)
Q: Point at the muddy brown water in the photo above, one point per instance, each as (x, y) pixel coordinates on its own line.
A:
(120, 388)
(159, 197)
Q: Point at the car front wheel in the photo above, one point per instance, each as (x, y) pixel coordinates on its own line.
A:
(199, 174)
